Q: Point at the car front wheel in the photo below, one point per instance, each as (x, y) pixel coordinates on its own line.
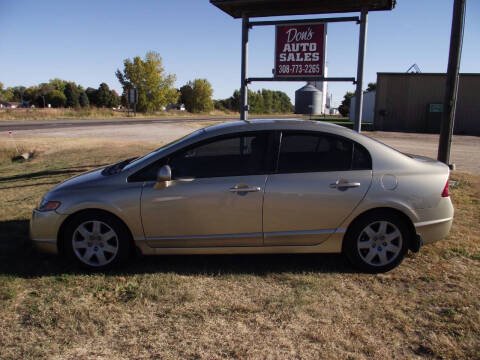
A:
(96, 241)
(377, 242)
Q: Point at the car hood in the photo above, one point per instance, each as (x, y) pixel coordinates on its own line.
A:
(84, 180)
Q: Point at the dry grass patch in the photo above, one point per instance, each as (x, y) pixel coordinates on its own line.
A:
(217, 307)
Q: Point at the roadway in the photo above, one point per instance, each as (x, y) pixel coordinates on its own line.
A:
(66, 123)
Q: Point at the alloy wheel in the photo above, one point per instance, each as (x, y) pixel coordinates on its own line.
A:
(379, 243)
(95, 243)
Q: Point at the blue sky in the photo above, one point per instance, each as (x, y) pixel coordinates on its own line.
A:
(86, 41)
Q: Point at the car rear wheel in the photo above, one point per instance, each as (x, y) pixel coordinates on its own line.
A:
(377, 242)
(97, 241)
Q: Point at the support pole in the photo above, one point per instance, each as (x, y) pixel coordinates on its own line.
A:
(451, 88)
(243, 84)
(362, 43)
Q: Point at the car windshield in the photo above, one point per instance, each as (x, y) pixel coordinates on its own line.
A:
(162, 148)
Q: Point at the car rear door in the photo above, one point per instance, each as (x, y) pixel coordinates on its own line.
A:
(320, 179)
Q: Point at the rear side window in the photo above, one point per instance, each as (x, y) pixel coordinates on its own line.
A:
(312, 152)
(361, 158)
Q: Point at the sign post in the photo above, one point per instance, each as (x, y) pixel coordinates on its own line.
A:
(244, 83)
(362, 44)
(132, 98)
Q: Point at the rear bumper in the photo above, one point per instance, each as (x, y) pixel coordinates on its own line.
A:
(435, 223)
(44, 228)
(431, 231)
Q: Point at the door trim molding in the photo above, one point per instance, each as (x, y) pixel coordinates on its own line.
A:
(305, 237)
(194, 241)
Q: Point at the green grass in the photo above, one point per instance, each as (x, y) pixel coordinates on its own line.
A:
(343, 122)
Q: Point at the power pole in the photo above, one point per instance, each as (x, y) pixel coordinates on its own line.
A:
(451, 88)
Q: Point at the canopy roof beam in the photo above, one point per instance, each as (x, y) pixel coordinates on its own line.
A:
(304, 21)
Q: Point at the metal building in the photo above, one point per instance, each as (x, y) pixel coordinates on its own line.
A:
(413, 102)
(368, 109)
(309, 100)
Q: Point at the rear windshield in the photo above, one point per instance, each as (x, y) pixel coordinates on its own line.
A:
(388, 146)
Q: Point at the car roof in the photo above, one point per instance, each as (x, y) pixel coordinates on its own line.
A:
(271, 124)
(280, 124)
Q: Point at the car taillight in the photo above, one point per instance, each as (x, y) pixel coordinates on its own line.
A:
(445, 192)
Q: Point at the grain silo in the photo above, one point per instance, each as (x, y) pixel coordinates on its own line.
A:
(308, 100)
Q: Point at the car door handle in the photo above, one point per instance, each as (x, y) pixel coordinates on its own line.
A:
(344, 185)
(244, 189)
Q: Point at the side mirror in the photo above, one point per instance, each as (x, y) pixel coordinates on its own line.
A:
(164, 177)
(164, 174)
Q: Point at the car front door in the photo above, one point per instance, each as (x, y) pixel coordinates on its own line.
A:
(319, 181)
(215, 196)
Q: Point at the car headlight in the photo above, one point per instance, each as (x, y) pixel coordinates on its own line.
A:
(46, 205)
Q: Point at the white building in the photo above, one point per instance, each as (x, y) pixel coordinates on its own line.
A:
(368, 107)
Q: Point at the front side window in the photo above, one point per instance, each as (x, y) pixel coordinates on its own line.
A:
(309, 152)
(232, 156)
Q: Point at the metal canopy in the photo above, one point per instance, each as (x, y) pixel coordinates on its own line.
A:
(259, 8)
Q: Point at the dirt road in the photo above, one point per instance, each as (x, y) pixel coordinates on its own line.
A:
(465, 149)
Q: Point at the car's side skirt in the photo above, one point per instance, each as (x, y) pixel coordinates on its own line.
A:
(332, 245)
(308, 237)
(192, 241)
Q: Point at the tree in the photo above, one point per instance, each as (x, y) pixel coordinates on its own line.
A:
(155, 88)
(197, 96)
(72, 95)
(256, 103)
(92, 96)
(8, 94)
(56, 98)
(344, 107)
(104, 96)
(116, 99)
(58, 84)
(83, 99)
(44, 89)
(18, 93)
(186, 96)
(371, 87)
(260, 102)
(32, 95)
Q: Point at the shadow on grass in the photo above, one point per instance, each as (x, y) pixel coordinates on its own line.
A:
(41, 174)
(28, 185)
(18, 258)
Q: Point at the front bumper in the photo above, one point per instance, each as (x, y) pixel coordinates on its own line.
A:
(44, 227)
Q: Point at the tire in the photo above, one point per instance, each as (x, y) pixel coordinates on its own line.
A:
(97, 241)
(377, 242)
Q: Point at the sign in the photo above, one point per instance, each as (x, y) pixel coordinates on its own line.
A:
(435, 108)
(132, 96)
(300, 50)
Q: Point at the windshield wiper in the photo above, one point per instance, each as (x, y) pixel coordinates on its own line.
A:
(116, 168)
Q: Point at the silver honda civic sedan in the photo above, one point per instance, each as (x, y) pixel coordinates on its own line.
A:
(267, 186)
